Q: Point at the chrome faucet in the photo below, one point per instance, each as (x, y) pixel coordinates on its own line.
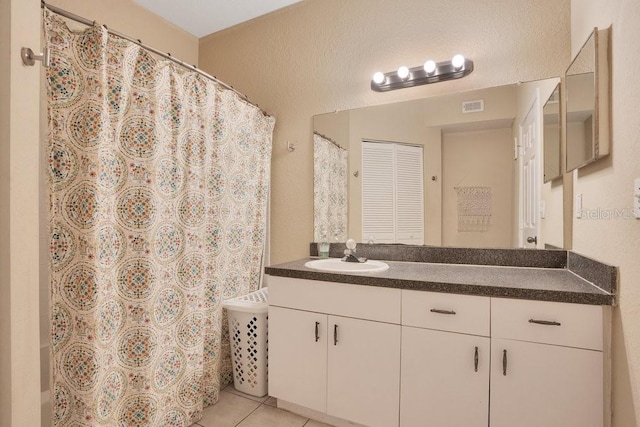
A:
(350, 253)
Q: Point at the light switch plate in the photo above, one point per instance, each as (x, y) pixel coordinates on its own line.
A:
(578, 207)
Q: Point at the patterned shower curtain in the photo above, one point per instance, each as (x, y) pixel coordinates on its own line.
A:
(158, 184)
(329, 190)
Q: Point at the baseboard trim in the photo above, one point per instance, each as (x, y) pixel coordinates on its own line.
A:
(315, 415)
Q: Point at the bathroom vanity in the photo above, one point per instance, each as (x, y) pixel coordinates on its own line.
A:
(433, 344)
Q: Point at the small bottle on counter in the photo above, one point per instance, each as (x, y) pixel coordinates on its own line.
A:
(323, 246)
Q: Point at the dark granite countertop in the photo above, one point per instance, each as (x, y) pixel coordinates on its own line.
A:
(544, 284)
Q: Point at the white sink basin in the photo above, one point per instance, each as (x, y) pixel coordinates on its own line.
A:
(336, 265)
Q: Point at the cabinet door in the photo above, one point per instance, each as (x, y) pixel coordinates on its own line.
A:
(298, 357)
(535, 385)
(364, 371)
(441, 383)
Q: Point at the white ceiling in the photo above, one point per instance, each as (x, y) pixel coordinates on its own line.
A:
(203, 17)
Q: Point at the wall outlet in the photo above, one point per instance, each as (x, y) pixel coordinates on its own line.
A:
(578, 206)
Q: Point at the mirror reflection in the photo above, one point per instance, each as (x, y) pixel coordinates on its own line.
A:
(552, 136)
(436, 171)
(581, 99)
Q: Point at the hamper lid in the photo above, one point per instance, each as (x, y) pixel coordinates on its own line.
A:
(254, 302)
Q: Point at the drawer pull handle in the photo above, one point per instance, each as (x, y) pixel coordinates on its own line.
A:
(435, 310)
(504, 362)
(317, 331)
(335, 334)
(475, 360)
(544, 322)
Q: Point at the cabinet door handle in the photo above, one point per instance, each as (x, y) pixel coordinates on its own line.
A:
(335, 334)
(435, 310)
(504, 362)
(544, 322)
(475, 360)
(317, 331)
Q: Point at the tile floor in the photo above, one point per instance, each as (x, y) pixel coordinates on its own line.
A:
(238, 409)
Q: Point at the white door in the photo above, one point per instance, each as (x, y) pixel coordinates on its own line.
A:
(534, 385)
(298, 357)
(445, 379)
(530, 176)
(378, 193)
(364, 371)
(392, 193)
(409, 195)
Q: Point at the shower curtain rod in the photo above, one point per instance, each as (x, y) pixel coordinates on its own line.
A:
(90, 23)
(330, 140)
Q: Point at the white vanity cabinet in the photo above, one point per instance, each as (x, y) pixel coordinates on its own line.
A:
(445, 360)
(547, 364)
(363, 378)
(297, 359)
(335, 348)
(387, 357)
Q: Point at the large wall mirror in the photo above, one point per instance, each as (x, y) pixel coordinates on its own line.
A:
(587, 102)
(439, 171)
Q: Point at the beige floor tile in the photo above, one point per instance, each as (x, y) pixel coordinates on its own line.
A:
(231, 389)
(312, 423)
(268, 416)
(271, 401)
(228, 411)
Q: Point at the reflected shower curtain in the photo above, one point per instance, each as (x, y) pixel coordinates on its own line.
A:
(329, 190)
(158, 184)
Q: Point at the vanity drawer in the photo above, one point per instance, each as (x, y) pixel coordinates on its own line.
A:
(446, 312)
(571, 325)
(358, 301)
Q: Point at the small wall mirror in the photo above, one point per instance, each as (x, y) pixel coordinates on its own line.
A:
(587, 101)
(551, 136)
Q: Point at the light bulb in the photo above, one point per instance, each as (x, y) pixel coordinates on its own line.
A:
(378, 78)
(403, 72)
(429, 66)
(457, 61)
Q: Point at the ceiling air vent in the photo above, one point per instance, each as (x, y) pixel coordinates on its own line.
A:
(473, 106)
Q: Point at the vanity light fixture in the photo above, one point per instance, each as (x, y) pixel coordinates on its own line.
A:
(430, 67)
(403, 72)
(378, 77)
(430, 72)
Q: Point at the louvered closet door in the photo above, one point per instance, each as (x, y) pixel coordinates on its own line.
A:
(409, 195)
(378, 216)
(392, 193)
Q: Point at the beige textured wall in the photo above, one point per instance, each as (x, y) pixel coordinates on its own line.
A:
(5, 223)
(127, 17)
(608, 184)
(318, 56)
(19, 355)
(477, 158)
